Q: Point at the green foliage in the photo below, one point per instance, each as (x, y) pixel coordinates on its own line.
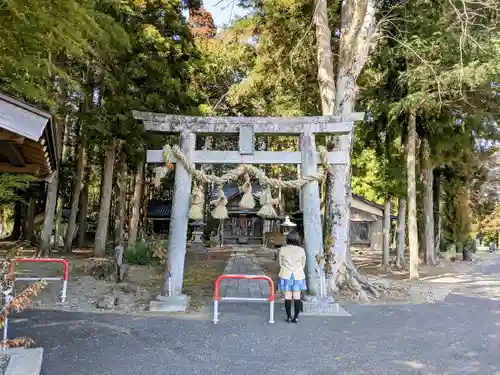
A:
(39, 42)
(456, 219)
(144, 253)
(224, 62)
(138, 254)
(490, 237)
(93, 62)
(11, 185)
(283, 80)
(367, 175)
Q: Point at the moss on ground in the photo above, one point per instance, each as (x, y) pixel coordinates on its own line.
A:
(199, 277)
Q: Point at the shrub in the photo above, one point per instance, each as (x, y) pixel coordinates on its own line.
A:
(144, 253)
(139, 254)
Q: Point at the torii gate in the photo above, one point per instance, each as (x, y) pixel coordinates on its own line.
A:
(188, 127)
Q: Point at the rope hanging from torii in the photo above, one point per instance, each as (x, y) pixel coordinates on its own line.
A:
(266, 200)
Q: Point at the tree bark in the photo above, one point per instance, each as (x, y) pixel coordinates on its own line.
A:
(358, 24)
(120, 206)
(146, 197)
(412, 196)
(386, 232)
(29, 223)
(400, 260)
(44, 248)
(60, 202)
(84, 209)
(17, 227)
(107, 185)
(436, 190)
(326, 80)
(136, 205)
(81, 164)
(428, 174)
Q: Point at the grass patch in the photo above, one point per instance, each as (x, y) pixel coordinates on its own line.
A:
(199, 277)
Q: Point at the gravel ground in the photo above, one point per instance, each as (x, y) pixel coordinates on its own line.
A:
(4, 362)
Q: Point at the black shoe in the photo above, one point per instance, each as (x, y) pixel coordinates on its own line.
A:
(288, 310)
(298, 307)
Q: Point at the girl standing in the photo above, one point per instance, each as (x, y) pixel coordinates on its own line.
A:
(292, 260)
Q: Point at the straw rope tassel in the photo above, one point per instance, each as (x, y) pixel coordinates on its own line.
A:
(267, 202)
(220, 209)
(197, 200)
(247, 200)
(160, 173)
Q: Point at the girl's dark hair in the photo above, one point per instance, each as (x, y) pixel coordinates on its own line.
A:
(293, 238)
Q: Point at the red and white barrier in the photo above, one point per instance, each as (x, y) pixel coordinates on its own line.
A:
(218, 298)
(63, 279)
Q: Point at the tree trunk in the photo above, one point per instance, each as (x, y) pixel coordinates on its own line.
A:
(358, 24)
(29, 223)
(420, 198)
(60, 203)
(386, 232)
(120, 206)
(103, 171)
(326, 80)
(2, 221)
(146, 197)
(400, 260)
(81, 164)
(436, 190)
(428, 174)
(50, 213)
(412, 196)
(136, 205)
(17, 227)
(107, 186)
(84, 209)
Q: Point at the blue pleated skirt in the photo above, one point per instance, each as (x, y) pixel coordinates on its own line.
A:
(292, 285)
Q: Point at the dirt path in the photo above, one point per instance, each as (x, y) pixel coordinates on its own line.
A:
(434, 285)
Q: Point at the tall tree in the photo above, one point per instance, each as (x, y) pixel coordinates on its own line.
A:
(101, 235)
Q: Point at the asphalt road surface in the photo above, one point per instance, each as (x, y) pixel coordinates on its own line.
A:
(458, 336)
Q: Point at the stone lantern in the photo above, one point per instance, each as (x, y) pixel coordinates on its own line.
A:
(197, 232)
(287, 226)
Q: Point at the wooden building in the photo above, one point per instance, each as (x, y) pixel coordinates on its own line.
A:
(244, 226)
(158, 213)
(29, 139)
(366, 223)
(30, 143)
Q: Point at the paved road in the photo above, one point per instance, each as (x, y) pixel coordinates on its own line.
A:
(459, 336)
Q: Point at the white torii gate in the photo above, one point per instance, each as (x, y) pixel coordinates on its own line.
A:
(188, 127)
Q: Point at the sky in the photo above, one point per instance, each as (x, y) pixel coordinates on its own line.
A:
(223, 11)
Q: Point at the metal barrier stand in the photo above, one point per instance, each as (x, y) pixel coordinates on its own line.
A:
(63, 279)
(8, 297)
(218, 298)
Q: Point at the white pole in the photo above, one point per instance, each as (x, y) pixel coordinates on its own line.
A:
(64, 290)
(271, 312)
(216, 312)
